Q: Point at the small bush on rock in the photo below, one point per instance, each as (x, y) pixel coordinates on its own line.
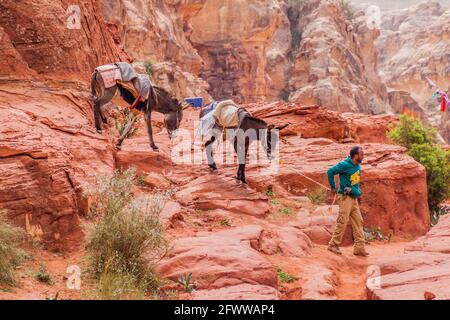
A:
(10, 253)
(420, 141)
(127, 240)
(318, 196)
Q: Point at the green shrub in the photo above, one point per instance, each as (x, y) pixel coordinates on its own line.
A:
(119, 286)
(420, 141)
(127, 240)
(148, 65)
(284, 276)
(121, 125)
(187, 283)
(317, 196)
(10, 253)
(286, 211)
(110, 195)
(411, 131)
(43, 276)
(269, 192)
(437, 163)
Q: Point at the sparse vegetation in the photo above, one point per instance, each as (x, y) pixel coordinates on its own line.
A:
(43, 276)
(110, 195)
(421, 142)
(348, 10)
(225, 222)
(10, 253)
(269, 192)
(317, 196)
(120, 286)
(148, 65)
(275, 201)
(186, 282)
(284, 276)
(141, 180)
(284, 95)
(375, 233)
(121, 125)
(127, 240)
(286, 211)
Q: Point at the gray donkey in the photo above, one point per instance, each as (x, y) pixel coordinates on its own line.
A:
(156, 99)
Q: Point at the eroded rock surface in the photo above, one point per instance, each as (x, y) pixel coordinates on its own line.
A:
(422, 271)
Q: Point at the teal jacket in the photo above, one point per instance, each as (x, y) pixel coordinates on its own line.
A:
(349, 177)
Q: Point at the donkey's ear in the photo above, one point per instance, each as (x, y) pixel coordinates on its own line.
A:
(282, 127)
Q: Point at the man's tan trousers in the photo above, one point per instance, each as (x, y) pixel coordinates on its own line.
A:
(349, 210)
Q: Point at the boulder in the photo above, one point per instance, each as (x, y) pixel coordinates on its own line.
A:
(155, 180)
(218, 192)
(218, 260)
(393, 184)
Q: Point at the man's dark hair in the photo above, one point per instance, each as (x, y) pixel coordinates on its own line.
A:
(354, 151)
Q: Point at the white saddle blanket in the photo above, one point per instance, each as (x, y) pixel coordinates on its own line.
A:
(124, 72)
(226, 114)
(110, 74)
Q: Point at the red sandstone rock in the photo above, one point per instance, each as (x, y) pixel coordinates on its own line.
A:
(424, 267)
(48, 152)
(49, 47)
(218, 260)
(393, 184)
(215, 191)
(319, 122)
(238, 292)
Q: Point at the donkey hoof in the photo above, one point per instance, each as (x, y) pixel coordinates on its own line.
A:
(155, 148)
(99, 131)
(118, 147)
(240, 182)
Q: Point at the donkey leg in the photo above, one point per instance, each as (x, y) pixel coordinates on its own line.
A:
(148, 121)
(126, 131)
(97, 116)
(241, 150)
(209, 154)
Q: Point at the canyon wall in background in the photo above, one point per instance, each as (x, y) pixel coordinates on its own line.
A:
(310, 52)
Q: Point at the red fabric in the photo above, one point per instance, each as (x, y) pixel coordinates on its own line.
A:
(443, 104)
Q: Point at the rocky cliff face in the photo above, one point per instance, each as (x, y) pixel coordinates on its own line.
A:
(37, 39)
(414, 44)
(335, 65)
(244, 45)
(48, 148)
(151, 31)
(260, 50)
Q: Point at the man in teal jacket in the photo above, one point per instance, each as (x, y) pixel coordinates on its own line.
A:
(349, 172)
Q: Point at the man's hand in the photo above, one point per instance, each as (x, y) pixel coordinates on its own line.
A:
(347, 191)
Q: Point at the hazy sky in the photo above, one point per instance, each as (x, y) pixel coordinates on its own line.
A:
(398, 4)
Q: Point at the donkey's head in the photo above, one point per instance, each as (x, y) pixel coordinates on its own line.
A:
(172, 109)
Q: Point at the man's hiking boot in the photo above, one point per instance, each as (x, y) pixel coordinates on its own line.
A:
(361, 253)
(334, 249)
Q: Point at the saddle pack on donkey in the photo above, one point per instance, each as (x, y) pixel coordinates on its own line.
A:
(133, 87)
(220, 115)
